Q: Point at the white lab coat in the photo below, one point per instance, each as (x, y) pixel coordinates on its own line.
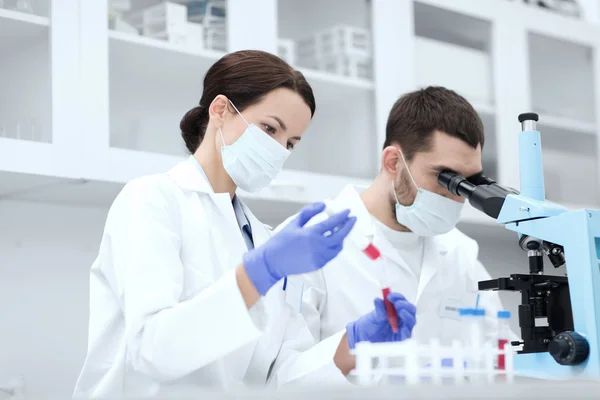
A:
(166, 313)
(345, 289)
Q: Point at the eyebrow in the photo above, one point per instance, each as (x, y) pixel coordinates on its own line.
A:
(276, 118)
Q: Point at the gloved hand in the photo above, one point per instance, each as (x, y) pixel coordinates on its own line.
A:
(374, 326)
(297, 249)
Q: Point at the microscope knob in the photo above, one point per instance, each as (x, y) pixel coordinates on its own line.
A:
(569, 348)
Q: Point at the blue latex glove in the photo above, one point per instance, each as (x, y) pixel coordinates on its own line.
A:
(297, 249)
(374, 326)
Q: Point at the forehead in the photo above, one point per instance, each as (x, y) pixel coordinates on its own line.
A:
(285, 104)
(451, 153)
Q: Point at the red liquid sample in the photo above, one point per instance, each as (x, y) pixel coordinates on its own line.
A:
(501, 357)
(372, 252)
(390, 311)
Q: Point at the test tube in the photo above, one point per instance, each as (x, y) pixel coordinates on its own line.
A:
(503, 335)
(474, 319)
(362, 242)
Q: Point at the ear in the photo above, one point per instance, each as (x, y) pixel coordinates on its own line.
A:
(218, 110)
(390, 160)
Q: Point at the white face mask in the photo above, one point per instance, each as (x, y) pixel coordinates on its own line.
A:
(253, 160)
(430, 214)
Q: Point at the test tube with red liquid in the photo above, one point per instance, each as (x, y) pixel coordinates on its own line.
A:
(503, 335)
(364, 244)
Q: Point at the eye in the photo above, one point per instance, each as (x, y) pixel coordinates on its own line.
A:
(290, 146)
(269, 129)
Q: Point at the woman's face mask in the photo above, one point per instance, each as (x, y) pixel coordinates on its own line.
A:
(430, 214)
(254, 159)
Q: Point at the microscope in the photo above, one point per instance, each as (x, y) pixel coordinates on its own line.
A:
(559, 316)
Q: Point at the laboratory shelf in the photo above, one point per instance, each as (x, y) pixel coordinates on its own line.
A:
(16, 28)
(52, 189)
(151, 86)
(13, 159)
(566, 125)
(321, 77)
(126, 164)
(439, 22)
(148, 55)
(484, 110)
(468, 8)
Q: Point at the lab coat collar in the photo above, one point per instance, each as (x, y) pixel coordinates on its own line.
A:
(188, 177)
(435, 248)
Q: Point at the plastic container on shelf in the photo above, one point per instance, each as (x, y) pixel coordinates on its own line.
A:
(215, 39)
(339, 40)
(350, 66)
(286, 49)
(341, 49)
(159, 20)
(208, 12)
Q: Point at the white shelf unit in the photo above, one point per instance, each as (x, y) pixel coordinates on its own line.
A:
(461, 43)
(567, 116)
(110, 110)
(25, 40)
(340, 139)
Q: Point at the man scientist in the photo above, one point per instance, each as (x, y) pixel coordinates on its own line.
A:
(411, 219)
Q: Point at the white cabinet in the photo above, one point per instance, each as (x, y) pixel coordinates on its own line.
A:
(91, 97)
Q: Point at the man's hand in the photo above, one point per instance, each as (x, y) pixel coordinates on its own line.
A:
(374, 327)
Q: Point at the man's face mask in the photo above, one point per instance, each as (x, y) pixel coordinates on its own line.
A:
(430, 214)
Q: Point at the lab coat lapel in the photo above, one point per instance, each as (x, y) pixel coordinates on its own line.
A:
(350, 198)
(260, 233)
(187, 176)
(216, 210)
(434, 255)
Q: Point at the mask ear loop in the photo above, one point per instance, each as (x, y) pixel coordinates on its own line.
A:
(240, 114)
(244, 119)
(408, 169)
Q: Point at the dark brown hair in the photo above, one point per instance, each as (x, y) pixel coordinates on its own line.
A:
(416, 115)
(244, 77)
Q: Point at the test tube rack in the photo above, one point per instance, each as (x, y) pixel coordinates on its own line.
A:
(412, 363)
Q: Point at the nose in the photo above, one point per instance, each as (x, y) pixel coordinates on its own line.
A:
(281, 139)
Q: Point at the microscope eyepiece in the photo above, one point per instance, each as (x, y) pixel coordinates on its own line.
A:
(482, 192)
(456, 184)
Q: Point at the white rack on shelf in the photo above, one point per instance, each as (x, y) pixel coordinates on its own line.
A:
(131, 129)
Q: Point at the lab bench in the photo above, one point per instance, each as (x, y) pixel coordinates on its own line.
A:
(522, 390)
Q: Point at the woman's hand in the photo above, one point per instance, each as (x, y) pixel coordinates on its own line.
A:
(297, 248)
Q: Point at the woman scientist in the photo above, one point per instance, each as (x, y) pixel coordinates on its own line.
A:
(179, 293)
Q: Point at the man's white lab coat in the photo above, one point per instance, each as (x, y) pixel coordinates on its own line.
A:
(345, 288)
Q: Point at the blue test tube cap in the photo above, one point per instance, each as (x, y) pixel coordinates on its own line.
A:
(504, 314)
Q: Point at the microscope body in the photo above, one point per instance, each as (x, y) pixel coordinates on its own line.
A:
(578, 232)
(567, 344)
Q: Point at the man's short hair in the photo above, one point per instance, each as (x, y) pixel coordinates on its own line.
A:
(416, 115)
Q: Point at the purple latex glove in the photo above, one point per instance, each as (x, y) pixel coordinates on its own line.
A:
(374, 326)
(297, 249)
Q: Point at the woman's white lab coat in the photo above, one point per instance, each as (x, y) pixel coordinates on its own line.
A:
(346, 287)
(166, 313)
